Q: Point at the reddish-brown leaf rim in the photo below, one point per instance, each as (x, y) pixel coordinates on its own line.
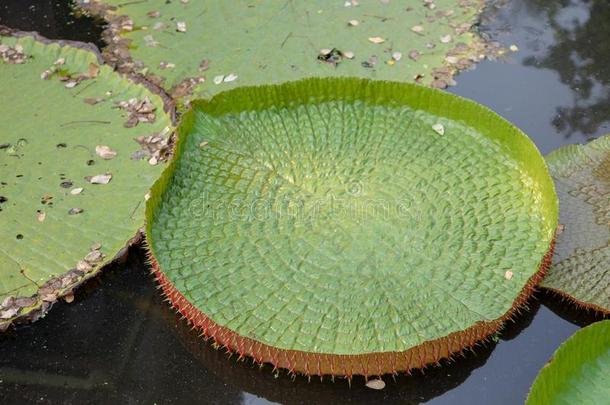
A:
(368, 364)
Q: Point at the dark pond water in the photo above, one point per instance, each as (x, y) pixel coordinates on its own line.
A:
(51, 18)
(119, 343)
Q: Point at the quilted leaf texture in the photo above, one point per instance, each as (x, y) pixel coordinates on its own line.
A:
(64, 209)
(581, 264)
(579, 372)
(329, 226)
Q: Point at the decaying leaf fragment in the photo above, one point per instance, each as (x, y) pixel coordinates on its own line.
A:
(139, 111)
(105, 152)
(99, 178)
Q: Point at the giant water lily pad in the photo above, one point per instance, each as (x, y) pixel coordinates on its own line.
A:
(581, 264)
(71, 193)
(233, 43)
(579, 372)
(345, 226)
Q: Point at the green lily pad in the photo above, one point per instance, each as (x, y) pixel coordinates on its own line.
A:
(579, 372)
(346, 226)
(71, 194)
(238, 43)
(581, 264)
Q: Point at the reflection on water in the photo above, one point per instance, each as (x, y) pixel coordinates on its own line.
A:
(557, 86)
(580, 55)
(51, 18)
(118, 342)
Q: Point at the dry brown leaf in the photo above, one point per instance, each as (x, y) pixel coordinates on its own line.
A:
(105, 152)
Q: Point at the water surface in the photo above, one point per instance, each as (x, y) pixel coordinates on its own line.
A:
(118, 342)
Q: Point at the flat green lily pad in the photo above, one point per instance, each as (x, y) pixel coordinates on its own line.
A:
(345, 226)
(71, 192)
(579, 372)
(207, 47)
(581, 265)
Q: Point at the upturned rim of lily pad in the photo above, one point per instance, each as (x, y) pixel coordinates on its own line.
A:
(309, 90)
(575, 156)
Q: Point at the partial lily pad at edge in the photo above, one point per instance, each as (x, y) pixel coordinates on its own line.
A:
(579, 372)
(581, 264)
(73, 176)
(198, 49)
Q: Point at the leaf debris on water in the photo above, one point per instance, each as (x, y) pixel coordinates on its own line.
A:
(371, 62)
(231, 77)
(12, 55)
(91, 100)
(445, 39)
(439, 128)
(376, 384)
(75, 211)
(93, 71)
(166, 65)
(204, 65)
(414, 55)
(153, 14)
(149, 41)
(105, 152)
(155, 145)
(331, 56)
(94, 256)
(99, 178)
(139, 111)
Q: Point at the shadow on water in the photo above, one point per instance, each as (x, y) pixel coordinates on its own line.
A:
(109, 346)
(118, 342)
(565, 309)
(53, 19)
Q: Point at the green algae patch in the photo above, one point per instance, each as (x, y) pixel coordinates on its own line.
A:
(71, 184)
(347, 226)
